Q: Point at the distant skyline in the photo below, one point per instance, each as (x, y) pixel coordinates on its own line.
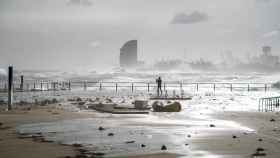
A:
(87, 34)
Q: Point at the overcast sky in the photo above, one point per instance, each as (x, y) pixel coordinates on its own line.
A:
(71, 34)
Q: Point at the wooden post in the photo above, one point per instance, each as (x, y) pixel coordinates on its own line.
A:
(10, 88)
(21, 82)
(197, 87)
(148, 87)
(34, 85)
(214, 86)
(85, 85)
(132, 87)
(41, 85)
(181, 86)
(231, 87)
(100, 86)
(116, 87)
(265, 87)
(69, 85)
(248, 87)
(5, 87)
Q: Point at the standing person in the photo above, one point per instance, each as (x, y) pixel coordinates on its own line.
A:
(159, 81)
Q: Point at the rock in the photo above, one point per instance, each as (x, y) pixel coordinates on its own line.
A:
(140, 104)
(143, 145)
(186, 144)
(259, 149)
(130, 142)
(234, 137)
(101, 128)
(189, 136)
(172, 107)
(163, 147)
(211, 125)
(272, 120)
(259, 152)
(79, 99)
(81, 103)
(77, 145)
(110, 134)
(260, 140)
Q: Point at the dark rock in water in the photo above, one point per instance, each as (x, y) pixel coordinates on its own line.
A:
(234, 137)
(163, 147)
(259, 153)
(260, 139)
(272, 120)
(259, 149)
(129, 142)
(81, 156)
(143, 145)
(77, 145)
(189, 136)
(110, 134)
(212, 125)
(101, 128)
(171, 107)
(79, 99)
(82, 103)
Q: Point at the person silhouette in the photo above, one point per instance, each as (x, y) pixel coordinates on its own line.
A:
(159, 82)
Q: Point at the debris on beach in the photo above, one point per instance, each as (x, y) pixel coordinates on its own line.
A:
(143, 145)
(141, 104)
(110, 134)
(76, 145)
(170, 107)
(163, 147)
(259, 153)
(130, 142)
(212, 125)
(101, 128)
(272, 120)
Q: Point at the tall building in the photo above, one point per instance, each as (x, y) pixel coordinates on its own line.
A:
(128, 54)
(266, 50)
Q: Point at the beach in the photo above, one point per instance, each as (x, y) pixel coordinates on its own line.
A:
(199, 130)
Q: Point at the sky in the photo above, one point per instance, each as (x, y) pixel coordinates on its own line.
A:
(87, 34)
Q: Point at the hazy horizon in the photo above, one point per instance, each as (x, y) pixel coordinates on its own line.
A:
(87, 34)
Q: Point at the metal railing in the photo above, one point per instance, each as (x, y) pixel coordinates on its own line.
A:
(132, 86)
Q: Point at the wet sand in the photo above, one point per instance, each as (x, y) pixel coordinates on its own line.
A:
(13, 147)
(266, 136)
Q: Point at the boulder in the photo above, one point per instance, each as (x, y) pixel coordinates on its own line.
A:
(140, 104)
(170, 107)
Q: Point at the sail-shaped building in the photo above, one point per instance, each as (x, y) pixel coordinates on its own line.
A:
(128, 54)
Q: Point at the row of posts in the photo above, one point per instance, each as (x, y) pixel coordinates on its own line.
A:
(55, 85)
(67, 85)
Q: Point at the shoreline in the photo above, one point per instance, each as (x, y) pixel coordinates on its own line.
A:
(266, 135)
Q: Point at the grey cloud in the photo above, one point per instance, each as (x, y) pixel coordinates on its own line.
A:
(263, 1)
(194, 17)
(80, 2)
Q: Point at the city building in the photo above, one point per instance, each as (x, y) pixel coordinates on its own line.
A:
(128, 54)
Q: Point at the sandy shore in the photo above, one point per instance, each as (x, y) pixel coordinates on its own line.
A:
(265, 138)
(13, 147)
